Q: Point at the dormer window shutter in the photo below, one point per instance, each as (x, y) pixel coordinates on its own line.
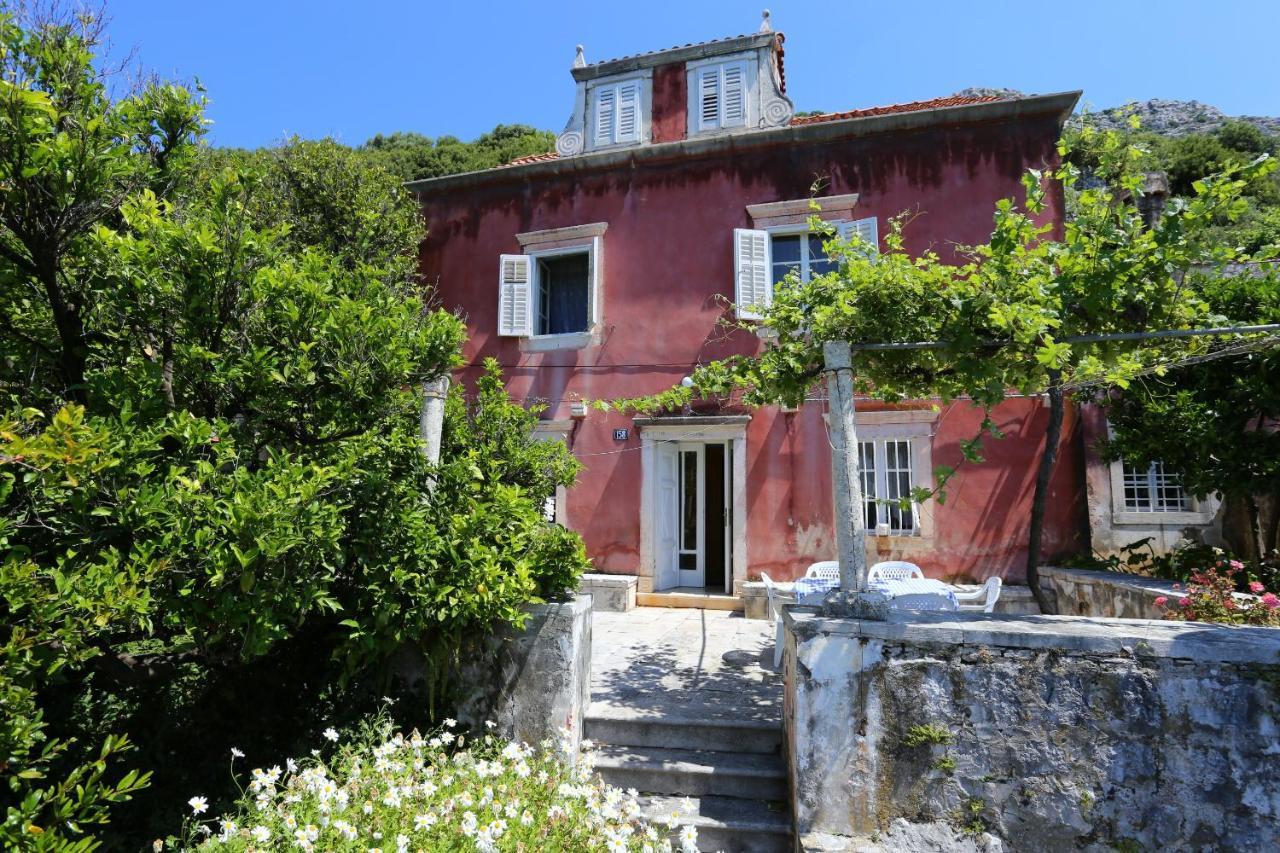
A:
(628, 98)
(733, 92)
(752, 266)
(722, 96)
(515, 297)
(709, 97)
(606, 114)
(617, 117)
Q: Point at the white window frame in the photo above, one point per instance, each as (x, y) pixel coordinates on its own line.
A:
(750, 63)
(793, 231)
(574, 239)
(644, 80)
(1200, 512)
(915, 426)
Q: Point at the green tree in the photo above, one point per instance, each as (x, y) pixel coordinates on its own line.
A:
(210, 463)
(1210, 422)
(1008, 314)
(413, 156)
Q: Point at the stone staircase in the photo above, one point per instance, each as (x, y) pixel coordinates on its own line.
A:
(730, 769)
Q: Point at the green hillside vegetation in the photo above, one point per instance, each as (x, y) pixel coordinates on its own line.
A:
(412, 155)
(1187, 158)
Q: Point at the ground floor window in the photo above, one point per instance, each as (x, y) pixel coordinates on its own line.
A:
(886, 479)
(1153, 489)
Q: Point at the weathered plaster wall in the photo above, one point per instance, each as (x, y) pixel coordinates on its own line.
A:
(668, 262)
(670, 102)
(1052, 733)
(1081, 592)
(533, 683)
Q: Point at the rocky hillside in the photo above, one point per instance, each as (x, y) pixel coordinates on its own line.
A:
(1159, 115)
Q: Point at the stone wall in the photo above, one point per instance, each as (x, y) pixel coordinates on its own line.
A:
(1051, 733)
(1084, 592)
(534, 683)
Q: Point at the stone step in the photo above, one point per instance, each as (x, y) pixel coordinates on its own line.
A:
(729, 824)
(695, 773)
(619, 726)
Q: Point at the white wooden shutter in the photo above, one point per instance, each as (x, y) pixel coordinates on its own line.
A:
(753, 289)
(708, 97)
(515, 297)
(606, 114)
(733, 94)
(628, 99)
(869, 231)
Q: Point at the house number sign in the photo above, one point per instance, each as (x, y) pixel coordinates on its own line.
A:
(621, 434)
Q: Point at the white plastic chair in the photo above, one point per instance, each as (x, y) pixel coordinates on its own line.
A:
(775, 600)
(894, 570)
(827, 570)
(984, 598)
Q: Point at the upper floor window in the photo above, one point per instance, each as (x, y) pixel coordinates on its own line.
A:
(550, 295)
(801, 253)
(763, 258)
(563, 296)
(1153, 489)
(617, 113)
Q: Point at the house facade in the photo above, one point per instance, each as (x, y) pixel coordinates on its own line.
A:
(680, 187)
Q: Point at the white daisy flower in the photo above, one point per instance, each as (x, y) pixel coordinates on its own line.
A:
(199, 805)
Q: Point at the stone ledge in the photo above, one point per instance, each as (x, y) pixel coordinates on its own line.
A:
(614, 593)
(1197, 641)
(1091, 592)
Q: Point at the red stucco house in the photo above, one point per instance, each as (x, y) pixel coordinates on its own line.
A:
(682, 184)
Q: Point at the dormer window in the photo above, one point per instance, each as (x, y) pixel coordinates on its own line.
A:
(720, 95)
(618, 112)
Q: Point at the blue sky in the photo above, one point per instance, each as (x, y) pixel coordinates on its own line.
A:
(349, 70)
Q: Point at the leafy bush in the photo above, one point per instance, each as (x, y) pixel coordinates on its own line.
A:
(444, 791)
(212, 490)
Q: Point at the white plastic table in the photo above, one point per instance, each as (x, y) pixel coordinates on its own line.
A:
(813, 590)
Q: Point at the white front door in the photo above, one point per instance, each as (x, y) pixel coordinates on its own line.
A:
(691, 549)
(667, 514)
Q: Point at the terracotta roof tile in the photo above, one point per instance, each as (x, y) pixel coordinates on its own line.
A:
(913, 106)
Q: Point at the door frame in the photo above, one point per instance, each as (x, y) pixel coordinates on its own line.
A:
(732, 430)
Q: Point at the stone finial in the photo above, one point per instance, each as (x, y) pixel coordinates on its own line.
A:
(580, 60)
(765, 25)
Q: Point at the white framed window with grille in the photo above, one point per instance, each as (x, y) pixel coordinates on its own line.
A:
(1153, 489)
(887, 466)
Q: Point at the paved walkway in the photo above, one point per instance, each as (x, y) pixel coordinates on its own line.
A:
(684, 662)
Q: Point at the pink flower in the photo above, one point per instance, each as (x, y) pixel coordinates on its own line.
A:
(1236, 564)
(1270, 601)
(1256, 587)
(1177, 586)
(1184, 602)
(1161, 601)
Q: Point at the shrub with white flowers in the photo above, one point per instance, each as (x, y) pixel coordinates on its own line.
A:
(384, 792)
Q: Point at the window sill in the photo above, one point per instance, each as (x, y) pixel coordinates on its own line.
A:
(1160, 519)
(551, 343)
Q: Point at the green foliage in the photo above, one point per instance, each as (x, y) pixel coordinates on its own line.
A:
(1208, 421)
(210, 468)
(927, 733)
(411, 156)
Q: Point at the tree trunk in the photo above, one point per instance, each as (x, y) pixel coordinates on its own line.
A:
(1050, 455)
(1256, 548)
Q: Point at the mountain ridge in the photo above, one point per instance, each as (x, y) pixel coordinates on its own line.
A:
(1163, 116)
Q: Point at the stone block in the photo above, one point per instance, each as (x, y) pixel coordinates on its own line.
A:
(755, 600)
(533, 683)
(612, 593)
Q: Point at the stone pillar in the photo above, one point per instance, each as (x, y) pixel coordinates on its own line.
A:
(852, 599)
